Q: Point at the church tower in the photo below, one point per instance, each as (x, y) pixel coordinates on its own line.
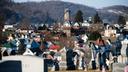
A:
(66, 15)
(66, 25)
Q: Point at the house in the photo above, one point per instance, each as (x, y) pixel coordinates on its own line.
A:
(85, 23)
(110, 31)
(24, 28)
(127, 22)
(43, 27)
(96, 27)
(8, 26)
(126, 26)
(76, 25)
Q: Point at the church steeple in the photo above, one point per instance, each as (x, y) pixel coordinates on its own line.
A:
(66, 15)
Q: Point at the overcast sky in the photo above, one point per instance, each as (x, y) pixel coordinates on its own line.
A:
(92, 3)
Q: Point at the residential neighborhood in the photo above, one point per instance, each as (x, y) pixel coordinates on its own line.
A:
(71, 43)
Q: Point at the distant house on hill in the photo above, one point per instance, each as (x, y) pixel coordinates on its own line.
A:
(126, 26)
(76, 25)
(85, 23)
(125, 29)
(96, 27)
(8, 27)
(43, 27)
(25, 26)
(78, 31)
(111, 30)
(127, 22)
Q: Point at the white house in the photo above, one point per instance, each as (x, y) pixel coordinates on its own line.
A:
(127, 22)
(8, 26)
(76, 24)
(126, 26)
(85, 23)
(109, 31)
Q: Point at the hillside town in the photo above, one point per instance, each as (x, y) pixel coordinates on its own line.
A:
(83, 45)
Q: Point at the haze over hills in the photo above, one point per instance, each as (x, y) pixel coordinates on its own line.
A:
(112, 12)
(117, 9)
(50, 11)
